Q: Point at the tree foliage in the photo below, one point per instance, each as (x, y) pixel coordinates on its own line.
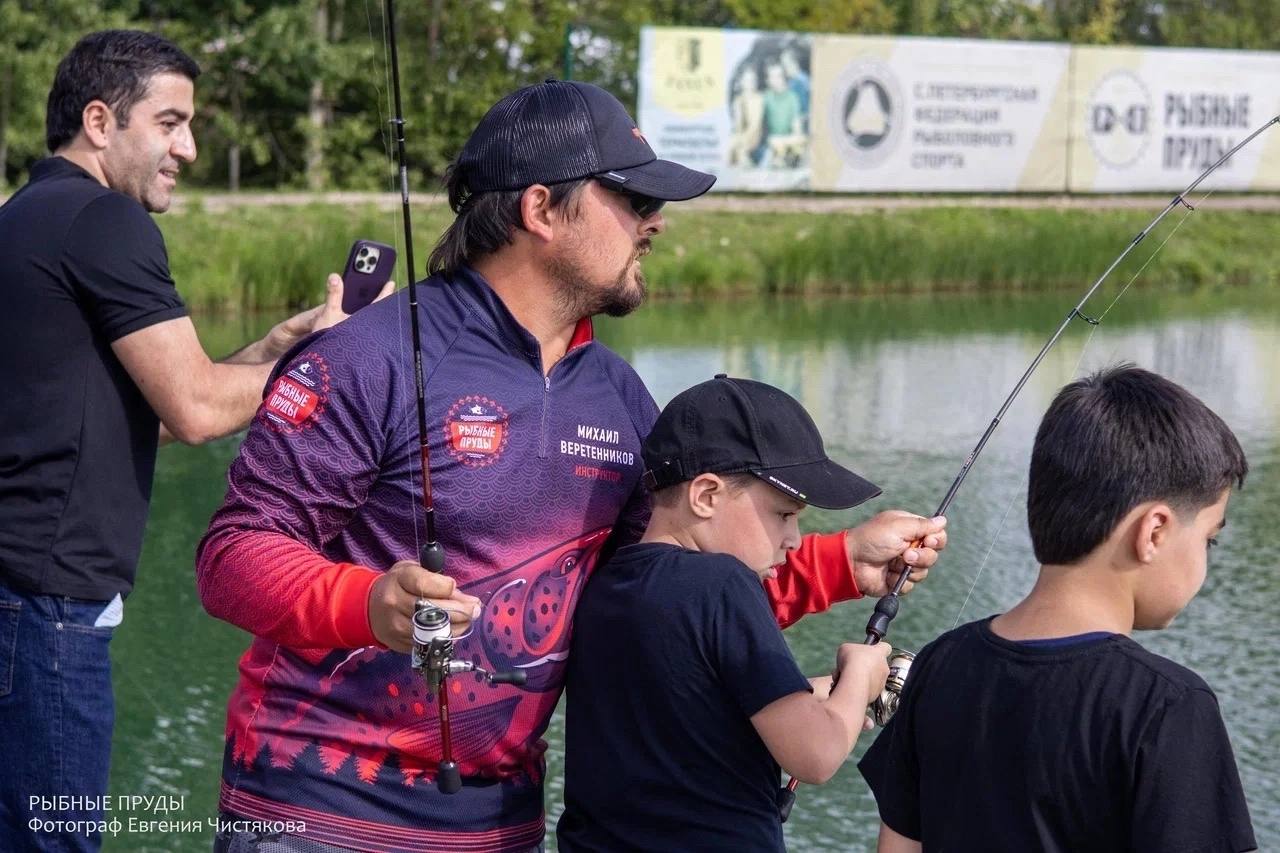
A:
(296, 93)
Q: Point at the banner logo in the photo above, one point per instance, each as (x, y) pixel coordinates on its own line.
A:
(867, 113)
(688, 73)
(689, 52)
(1118, 119)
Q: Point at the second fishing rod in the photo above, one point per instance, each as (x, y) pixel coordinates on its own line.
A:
(887, 607)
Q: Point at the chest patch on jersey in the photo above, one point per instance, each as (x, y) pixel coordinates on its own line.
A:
(476, 431)
(297, 398)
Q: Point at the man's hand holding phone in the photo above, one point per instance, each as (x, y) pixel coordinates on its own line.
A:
(365, 281)
(366, 275)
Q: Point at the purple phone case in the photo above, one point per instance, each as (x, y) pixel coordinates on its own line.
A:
(368, 267)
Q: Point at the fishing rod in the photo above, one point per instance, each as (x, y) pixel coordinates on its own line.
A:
(883, 708)
(431, 554)
(433, 648)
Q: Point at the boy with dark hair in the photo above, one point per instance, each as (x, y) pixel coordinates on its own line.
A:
(683, 696)
(1046, 727)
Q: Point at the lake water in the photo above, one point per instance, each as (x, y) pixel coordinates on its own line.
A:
(901, 388)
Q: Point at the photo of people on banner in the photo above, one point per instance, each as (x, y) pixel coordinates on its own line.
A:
(769, 106)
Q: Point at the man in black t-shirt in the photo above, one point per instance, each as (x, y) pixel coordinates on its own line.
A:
(1047, 728)
(97, 359)
(683, 698)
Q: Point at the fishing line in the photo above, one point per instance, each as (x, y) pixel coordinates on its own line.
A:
(1190, 209)
(987, 556)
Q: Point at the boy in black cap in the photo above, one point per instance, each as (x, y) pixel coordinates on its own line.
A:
(683, 696)
(1046, 727)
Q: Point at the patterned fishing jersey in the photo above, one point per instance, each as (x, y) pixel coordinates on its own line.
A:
(532, 477)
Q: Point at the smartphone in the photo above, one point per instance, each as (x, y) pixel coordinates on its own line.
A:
(368, 268)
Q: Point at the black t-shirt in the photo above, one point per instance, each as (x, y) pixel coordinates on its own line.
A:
(1099, 745)
(672, 653)
(80, 267)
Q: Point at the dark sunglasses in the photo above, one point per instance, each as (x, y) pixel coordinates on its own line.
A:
(643, 205)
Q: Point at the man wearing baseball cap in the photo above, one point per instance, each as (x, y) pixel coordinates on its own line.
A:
(683, 698)
(534, 433)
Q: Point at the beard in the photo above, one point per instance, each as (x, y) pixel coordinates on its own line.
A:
(156, 201)
(138, 176)
(580, 296)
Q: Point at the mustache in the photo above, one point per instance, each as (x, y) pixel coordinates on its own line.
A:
(644, 247)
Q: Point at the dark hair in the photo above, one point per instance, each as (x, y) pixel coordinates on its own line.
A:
(112, 66)
(1114, 440)
(486, 222)
(670, 496)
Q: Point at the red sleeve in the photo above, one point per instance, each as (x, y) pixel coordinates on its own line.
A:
(816, 575)
(319, 604)
(302, 472)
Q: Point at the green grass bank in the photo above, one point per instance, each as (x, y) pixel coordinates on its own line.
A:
(268, 257)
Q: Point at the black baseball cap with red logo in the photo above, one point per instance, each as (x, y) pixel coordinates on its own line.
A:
(740, 426)
(563, 130)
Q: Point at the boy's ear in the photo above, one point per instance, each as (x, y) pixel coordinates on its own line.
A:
(705, 494)
(1151, 531)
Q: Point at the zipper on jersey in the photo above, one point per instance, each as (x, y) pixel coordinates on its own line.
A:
(546, 402)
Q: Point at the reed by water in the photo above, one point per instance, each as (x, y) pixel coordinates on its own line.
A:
(269, 257)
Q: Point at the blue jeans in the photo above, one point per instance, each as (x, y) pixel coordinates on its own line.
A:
(56, 714)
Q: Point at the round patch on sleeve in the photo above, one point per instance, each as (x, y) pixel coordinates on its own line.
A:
(297, 397)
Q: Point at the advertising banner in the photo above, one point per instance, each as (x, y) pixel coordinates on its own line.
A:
(731, 102)
(1154, 118)
(938, 115)
(767, 111)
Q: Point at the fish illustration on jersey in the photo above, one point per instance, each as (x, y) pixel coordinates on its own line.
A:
(525, 624)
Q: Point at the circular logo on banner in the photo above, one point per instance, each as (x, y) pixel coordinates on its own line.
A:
(476, 431)
(1118, 119)
(867, 113)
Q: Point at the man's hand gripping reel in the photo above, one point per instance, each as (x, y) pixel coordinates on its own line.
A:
(432, 658)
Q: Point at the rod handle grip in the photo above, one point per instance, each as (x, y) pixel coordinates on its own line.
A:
(431, 557)
(786, 801)
(878, 624)
(517, 677)
(448, 778)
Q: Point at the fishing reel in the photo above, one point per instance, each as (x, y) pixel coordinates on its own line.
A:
(432, 658)
(886, 704)
(881, 711)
